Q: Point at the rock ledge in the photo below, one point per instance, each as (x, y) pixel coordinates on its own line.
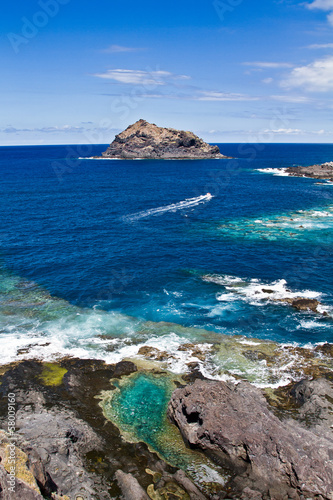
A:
(273, 459)
(323, 171)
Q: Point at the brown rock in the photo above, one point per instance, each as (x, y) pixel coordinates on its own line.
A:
(302, 304)
(18, 491)
(147, 140)
(130, 486)
(315, 398)
(235, 424)
(124, 368)
(153, 352)
(322, 171)
(326, 349)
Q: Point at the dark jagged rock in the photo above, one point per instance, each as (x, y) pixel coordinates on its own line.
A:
(147, 140)
(124, 368)
(302, 303)
(315, 398)
(278, 459)
(326, 349)
(17, 492)
(322, 171)
(68, 449)
(60, 441)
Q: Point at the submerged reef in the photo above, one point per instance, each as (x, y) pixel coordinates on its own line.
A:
(148, 141)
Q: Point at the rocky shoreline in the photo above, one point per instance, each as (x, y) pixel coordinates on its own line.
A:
(323, 171)
(275, 445)
(272, 458)
(144, 140)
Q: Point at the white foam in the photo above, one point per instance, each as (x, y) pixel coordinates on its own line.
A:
(222, 279)
(76, 334)
(311, 324)
(249, 342)
(281, 172)
(176, 361)
(258, 293)
(227, 297)
(188, 203)
(81, 339)
(98, 158)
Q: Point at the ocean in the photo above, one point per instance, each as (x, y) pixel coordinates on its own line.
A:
(100, 258)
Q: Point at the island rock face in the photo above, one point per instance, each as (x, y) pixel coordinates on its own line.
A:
(323, 171)
(273, 459)
(148, 141)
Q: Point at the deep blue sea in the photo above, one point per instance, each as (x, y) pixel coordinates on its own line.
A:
(100, 257)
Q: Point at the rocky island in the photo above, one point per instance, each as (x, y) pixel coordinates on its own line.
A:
(322, 171)
(146, 140)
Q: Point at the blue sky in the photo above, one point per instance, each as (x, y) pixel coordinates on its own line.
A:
(230, 70)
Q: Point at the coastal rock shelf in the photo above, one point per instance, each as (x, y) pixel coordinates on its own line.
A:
(272, 458)
(87, 429)
(148, 141)
(322, 171)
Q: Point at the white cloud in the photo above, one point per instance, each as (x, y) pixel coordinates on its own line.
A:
(65, 128)
(138, 77)
(267, 80)
(297, 131)
(269, 65)
(119, 48)
(321, 5)
(325, 5)
(208, 95)
(283, 131)
(316, 76)
(290, 98)
(320, 46)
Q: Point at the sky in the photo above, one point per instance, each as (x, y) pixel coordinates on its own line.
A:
(78, 72)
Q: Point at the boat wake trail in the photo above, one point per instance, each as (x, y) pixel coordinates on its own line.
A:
(188, 203)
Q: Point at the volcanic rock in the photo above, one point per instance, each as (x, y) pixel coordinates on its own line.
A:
(65, 447)
(302, 303)
(322, 171)
(315, 398)
(279, 459)
(130, 486)
(147, 140)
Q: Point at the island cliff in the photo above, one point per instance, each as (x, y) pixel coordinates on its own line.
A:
(147, 140)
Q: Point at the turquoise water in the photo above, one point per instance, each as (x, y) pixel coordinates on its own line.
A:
(141, 407)
(138, 407)
(101, 257)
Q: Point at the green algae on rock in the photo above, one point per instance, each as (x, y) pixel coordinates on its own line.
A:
(52, 374)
